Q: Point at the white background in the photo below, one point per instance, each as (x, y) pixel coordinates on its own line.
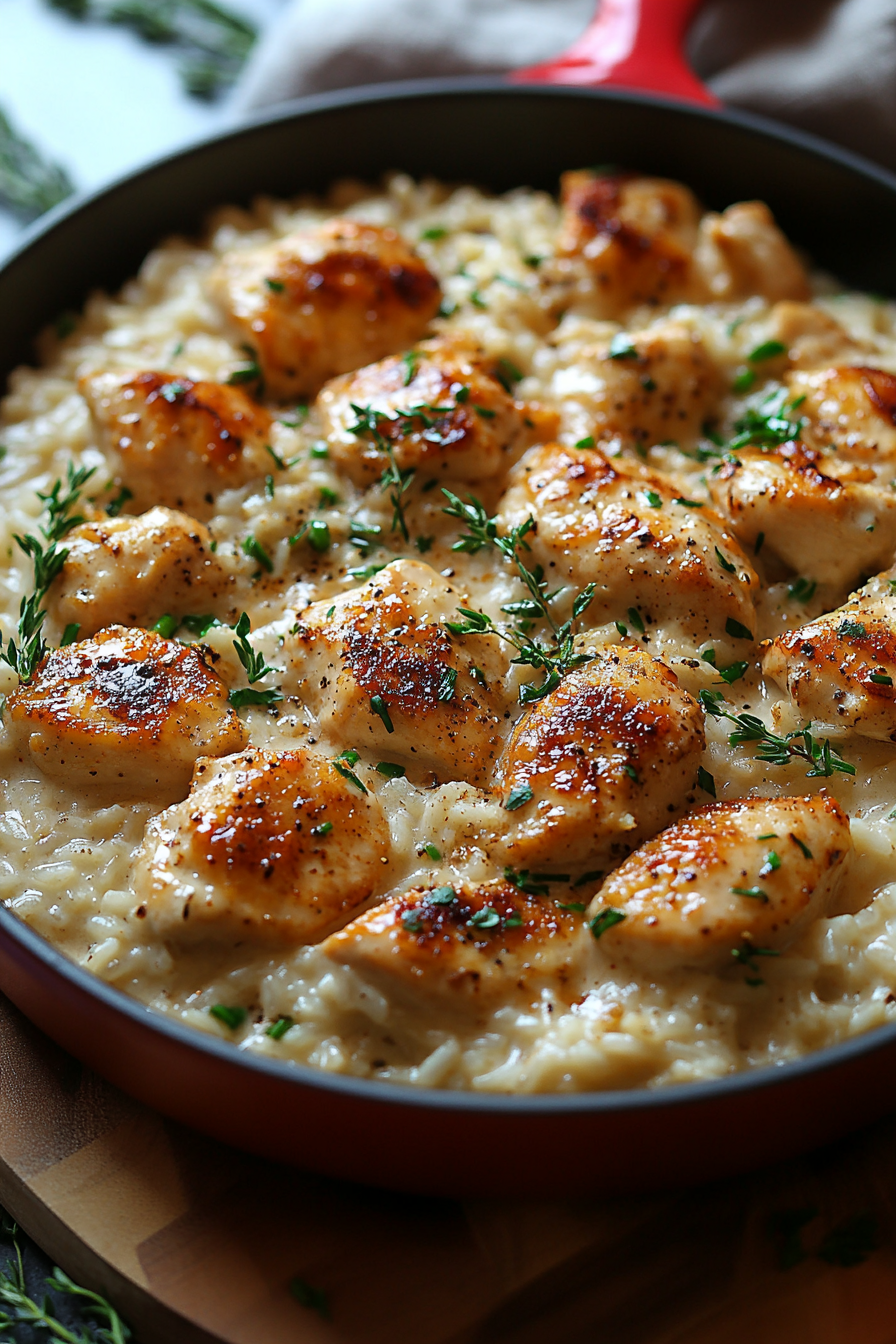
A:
(96, 98)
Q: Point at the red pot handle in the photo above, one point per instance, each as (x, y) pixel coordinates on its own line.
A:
(631, 44)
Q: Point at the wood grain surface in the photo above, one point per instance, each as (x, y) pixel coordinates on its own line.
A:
(195, 1242)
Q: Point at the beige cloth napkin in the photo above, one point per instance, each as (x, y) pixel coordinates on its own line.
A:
(828, 66)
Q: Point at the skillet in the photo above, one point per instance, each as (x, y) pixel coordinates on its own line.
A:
(499, 134)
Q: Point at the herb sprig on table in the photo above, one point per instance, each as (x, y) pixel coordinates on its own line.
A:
(213, 40)
(553, 658)
(29, 183)
(18, 1308)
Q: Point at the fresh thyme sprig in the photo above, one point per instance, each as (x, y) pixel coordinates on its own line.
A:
(48, 558)
(213, 40)
(800, 745)
(18, 1308)
(422, 417)
(554, 659)
(255, 668)
(29, 183)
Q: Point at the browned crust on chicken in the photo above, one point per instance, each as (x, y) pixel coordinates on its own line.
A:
(125, 708)
(269, 845)
(179, 442)
(326, 300)
(462, 944)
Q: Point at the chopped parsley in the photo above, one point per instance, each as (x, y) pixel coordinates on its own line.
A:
(706, 782)
(754, 893)
(432, 852)
(447, 685)
(277, 1030)
(322, 829)
(605, 919)
(343, 763)
(848, 629)
(166, 626)
(725, 562)
(389, 770)
(442, 896)
(519, 795)
(276, 286)
(767, 350)
(254, 549)
(232, 1017)
(587, 442)
(486, 918)
(736, 630)
(802, 589)
(621, 347)
(378, 707)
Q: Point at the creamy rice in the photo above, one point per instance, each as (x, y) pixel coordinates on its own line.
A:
(65, 857)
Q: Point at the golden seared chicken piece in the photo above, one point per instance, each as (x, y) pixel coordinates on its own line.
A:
(131, 571)
(742, 252)
(126, 709)
(811, 335)
(438, 407)
(634, 235)
(380, 671)
(825, 526)
(853, 408)
(324, 301)
(269, 846)
(603, 762)
(729, 882)
(178, 443)
(467, 947)
(647, 388)
(627, 530)
(840, 669)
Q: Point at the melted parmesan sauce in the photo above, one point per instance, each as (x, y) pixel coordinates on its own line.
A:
(65, 855)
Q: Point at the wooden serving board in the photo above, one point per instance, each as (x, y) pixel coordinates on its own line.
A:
(194, 1241)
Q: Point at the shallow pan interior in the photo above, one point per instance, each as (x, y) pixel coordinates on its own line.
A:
(843, 212)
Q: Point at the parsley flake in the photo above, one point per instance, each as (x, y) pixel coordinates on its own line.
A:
(518, 797)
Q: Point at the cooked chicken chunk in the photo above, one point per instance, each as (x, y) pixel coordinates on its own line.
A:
(650, 387)
(126, 709)
(811, 335)
(382, 674)
(742, 252)
(840, 668)
(324, 301)
(131, 571)
(853, 408)
(642, 240)
(826, 527)
(634, 235)
(607, 759)
(438, 407)
(626, 529)
(468, 947)
(178, 443)
(269, 846)
(731, 881)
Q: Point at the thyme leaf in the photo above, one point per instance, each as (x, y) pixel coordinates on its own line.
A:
(824, 759)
